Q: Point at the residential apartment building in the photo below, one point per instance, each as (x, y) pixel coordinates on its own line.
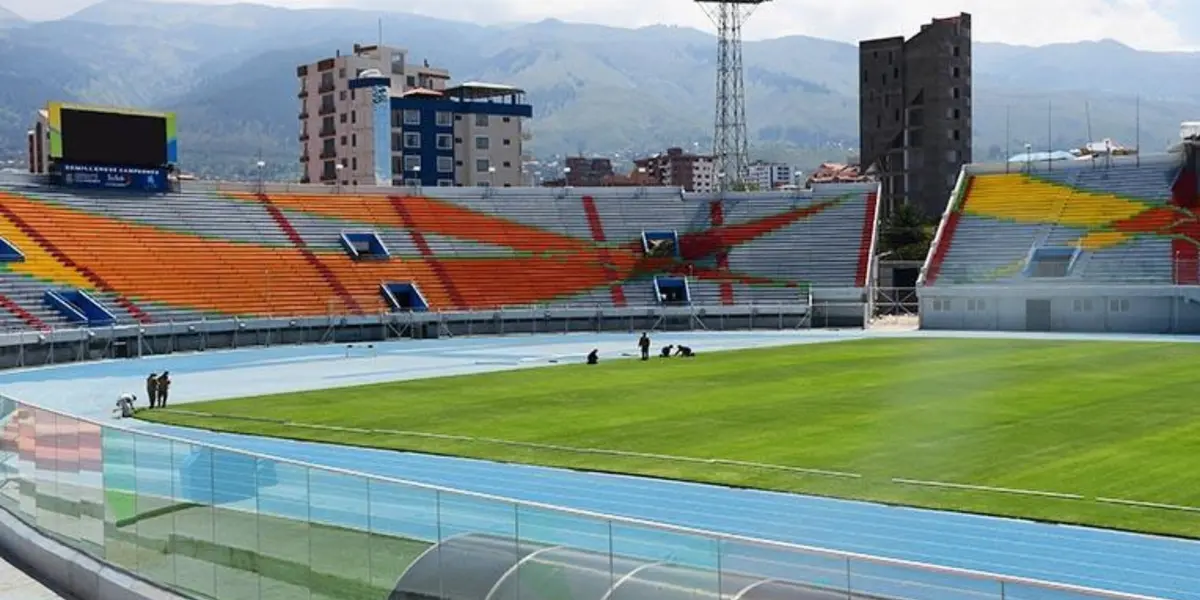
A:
(692, 172)
(380, 120)
(762, 175)
(915, 112)
(587, 172)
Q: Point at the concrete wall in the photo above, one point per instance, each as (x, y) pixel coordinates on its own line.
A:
(1088, 309)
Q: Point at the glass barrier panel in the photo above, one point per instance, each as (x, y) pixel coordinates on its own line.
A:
(235, 525)
(283, 530)
(339, 533)
(120, 493)
(659, 548)
(90, 480)
(154, 503)
(478, 544)
(194, 525)
(404, 527)
(66, 468)
(571, 559)
(45, 459)
(874, 580)
(27, 469)
(10, 473)
(807, 570)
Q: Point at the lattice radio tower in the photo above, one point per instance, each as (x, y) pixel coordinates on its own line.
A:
(730, 147)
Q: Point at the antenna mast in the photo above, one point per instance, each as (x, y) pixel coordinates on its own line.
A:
(730, 144)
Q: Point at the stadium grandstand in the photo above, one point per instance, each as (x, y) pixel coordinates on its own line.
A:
(1099, 244)
(145, 267)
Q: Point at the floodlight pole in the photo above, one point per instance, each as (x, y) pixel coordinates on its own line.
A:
(730, 144)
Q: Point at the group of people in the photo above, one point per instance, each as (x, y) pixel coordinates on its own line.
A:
(157, 388)
(644, 344)
(666, 352)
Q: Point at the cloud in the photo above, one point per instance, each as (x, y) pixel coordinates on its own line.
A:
(1144, 24)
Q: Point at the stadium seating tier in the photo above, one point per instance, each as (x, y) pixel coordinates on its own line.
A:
(1121, 224)
(207, 254)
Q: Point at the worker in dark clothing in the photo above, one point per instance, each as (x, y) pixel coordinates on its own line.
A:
(164, 386)
(152, 389)
(644, 346)
(666, 351)
(593, 357)
(685, 352)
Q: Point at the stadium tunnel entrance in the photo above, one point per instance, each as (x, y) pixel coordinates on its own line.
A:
(487, 567)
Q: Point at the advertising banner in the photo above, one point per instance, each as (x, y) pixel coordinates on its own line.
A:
(120, 178)
(381, 108)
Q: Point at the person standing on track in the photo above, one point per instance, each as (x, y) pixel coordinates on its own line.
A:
(644, 346)
(164, 385)
(152, 389)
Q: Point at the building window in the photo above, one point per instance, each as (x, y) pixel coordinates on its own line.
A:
(457, 117)
(896, 73)
(482, 142)
(342, 117)
(481, 120)
(397, 164)
(412, 139)
(353, 163)
(957, 135)
(354, 140)
(352, 95)
(507, 165)
(353, 116)
(397, 143)
(1118, 305)
(956, 93)
(342, 95)
(956, 73)
(411, 81)
(412, 117)
(443, 119)
(952, 156)
(445, 141)
(482, 165)
(507, 119)
(445, 183)
(344, 140)
(458, 163)
(412, 162)
(445, 164)
(957, 51)
(342, 73)
(866, 76)
(507, 142)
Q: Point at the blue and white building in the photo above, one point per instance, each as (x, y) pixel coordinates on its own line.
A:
(380, 121)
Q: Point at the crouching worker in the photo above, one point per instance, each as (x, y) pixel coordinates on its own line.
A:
(125, 405)
(593, 357)
(666, 351)
(685, 352)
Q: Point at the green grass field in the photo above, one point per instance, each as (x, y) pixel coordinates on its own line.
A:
(1118, 420)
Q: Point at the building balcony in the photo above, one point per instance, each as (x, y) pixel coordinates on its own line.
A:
(327, 154)
(304, 115)
(327, 87)
(328, 177)
(328, 109)
(328, 131)
(304, 137)
(305, 180)
(303, 158)
(303, 93)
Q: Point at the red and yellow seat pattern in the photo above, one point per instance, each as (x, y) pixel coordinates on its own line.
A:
(150, 265)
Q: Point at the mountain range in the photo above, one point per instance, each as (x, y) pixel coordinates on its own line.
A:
(229, 72)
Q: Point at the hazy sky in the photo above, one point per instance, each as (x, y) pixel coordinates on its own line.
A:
(1145, 24)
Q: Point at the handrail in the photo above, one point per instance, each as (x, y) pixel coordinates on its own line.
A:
(679, 529)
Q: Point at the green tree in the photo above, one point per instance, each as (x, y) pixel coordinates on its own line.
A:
(907, 233)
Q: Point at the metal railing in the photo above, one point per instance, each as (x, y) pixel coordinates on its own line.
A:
(220, 522)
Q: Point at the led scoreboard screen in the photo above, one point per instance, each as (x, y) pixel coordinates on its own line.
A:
(81, 135)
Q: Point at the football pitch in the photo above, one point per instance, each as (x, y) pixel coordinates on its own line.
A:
(1049, 430)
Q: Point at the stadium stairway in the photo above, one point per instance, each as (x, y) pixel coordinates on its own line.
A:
(1004, 217)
